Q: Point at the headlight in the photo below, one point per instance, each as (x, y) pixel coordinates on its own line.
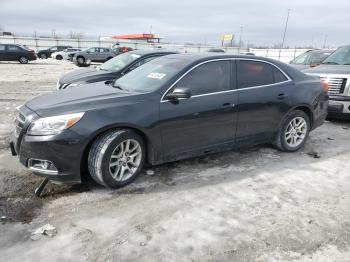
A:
(53, 125)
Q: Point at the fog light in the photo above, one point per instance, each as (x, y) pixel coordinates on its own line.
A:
(42, 166)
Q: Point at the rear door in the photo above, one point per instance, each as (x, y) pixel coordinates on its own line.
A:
(205, 120)
(13, 52)
(263, 99)
(3, 54)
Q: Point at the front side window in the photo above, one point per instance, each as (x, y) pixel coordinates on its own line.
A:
(255, 73)
(92, 50)
(208, 78)
(2, 48)
(53, 48)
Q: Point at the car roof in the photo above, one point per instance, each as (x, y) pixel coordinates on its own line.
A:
(143, 52)
(194, 58)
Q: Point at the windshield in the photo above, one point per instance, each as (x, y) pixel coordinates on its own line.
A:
(119, 62)
(301, 60)
(150, 76)
(340, 57)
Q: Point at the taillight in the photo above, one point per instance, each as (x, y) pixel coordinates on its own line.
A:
(325, 86)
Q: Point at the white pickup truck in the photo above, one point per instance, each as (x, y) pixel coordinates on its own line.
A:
(335, 71)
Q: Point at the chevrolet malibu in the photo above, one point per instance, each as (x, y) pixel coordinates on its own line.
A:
(173, 107)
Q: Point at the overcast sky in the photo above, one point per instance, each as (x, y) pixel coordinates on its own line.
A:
(185, 21)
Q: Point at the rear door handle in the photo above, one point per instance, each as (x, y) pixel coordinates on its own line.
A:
(282, 96)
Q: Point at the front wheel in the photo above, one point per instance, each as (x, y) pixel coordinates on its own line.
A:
(59, 57)
(293, 132)
(116, 158)
(43, 56)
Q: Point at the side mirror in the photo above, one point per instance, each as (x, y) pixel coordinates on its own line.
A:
(179, 93)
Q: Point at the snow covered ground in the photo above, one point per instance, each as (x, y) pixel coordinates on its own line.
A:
(254, 205)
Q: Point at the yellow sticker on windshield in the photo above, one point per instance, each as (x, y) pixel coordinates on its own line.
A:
(156, 75)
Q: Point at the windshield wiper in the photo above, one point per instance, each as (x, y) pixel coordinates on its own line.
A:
(330, 63)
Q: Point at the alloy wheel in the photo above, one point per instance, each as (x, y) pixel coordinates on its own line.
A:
(296, 132)
(125, 160)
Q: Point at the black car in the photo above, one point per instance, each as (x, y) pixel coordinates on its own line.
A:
(22, 54)
(46, 53)
(174, 107)
(112, 69)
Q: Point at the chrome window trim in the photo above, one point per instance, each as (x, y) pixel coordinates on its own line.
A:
(162, 100)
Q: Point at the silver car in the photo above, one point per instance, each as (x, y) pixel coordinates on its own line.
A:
(93, 54)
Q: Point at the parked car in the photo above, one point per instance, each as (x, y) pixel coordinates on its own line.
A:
(93, 54)
(11, 52)
(310, 58)
(63, 55)
(335, 71)
(46, 53)
(173, 107)
(110, 70)
(216, 50)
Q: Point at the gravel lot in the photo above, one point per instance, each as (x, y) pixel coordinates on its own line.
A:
(255, 205)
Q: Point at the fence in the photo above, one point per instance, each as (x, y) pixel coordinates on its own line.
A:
(284, 55)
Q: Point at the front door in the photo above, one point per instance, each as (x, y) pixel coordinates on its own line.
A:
(205, 120)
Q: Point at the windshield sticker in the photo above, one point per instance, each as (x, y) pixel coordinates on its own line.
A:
(156, 75)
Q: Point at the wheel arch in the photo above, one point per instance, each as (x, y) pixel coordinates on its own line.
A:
(84, 158)
(307, 110)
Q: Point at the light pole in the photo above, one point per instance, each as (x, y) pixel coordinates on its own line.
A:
(240, 39)
(284, 33)
(325, 41)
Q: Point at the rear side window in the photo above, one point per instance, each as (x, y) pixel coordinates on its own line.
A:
(255, 73)
(13, 48)
(2, 48)
(207, 78)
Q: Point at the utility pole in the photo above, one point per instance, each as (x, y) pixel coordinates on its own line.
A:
(325, 41)
(240, 39)
(284, 33)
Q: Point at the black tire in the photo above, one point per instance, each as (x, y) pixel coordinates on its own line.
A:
(80, 61)
(23, 60)
(59, 57)
(43, 56)
(281, 141)
(101, 152)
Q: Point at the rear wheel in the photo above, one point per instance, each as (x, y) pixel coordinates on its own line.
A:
(116, 158)
(59, 57)
(43, 56)
(293, 132)
(23, 60)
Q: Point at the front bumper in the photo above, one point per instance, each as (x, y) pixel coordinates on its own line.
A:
(64, 150)
(339, 107)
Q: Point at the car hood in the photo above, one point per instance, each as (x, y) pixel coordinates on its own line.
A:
(83, 75)
(81, 99)
(329, 69)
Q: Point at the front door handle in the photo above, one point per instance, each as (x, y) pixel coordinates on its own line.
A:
(282, 96)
